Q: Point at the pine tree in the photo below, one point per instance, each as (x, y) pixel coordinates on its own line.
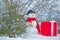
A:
(11, 22)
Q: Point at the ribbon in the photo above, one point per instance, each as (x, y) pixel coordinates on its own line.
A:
(52, 27)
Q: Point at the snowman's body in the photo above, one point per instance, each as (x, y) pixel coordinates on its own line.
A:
(31, 29)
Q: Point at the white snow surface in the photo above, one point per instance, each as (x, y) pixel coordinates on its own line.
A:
(34, 37)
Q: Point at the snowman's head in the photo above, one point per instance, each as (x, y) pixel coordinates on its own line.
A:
(31, 14)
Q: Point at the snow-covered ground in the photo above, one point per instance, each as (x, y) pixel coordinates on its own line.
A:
(34, 37)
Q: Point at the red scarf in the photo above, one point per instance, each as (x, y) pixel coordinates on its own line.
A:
(34, 19)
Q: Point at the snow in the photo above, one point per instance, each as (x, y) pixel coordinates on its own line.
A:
(35, 37)
(50, 1)
(7, 38)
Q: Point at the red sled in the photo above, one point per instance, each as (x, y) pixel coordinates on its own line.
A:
(49, 28)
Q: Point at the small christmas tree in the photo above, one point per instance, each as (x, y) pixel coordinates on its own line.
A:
(11, 21)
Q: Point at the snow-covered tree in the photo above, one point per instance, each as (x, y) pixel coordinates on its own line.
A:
(11, 22)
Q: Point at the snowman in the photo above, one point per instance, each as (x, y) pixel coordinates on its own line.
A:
(31, 20)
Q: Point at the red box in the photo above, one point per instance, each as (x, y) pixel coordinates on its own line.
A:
(49, 28)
